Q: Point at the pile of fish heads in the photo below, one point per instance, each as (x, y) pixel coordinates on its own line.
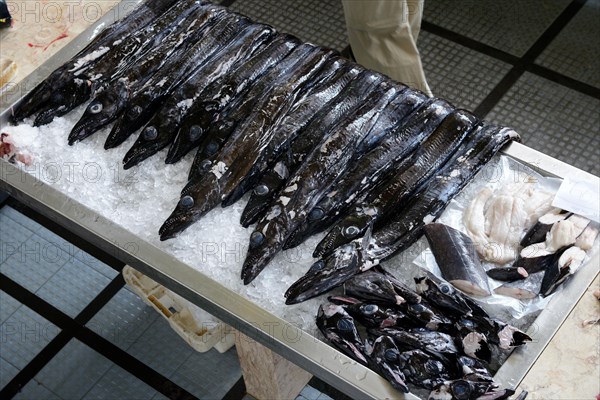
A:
(433, 338)
(552, 251)
(319, 141)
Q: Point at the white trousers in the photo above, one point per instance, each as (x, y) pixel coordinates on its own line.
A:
(383, 36)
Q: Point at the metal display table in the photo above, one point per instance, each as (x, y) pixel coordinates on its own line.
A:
(298, 346)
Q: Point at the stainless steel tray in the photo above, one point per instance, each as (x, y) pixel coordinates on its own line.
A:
(275, 333)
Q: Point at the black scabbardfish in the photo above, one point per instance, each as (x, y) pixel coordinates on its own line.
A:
(94, 77)
(160, 130)
(405, 133)
(204, 192)
(224, 91)
(320, 170)
(446, 129)
(309, 136)
(252, 162)
(148, 98)
(406, 226)
(142, 15)
(108, 104)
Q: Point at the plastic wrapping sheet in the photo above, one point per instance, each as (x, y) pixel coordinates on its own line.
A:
(499, 175)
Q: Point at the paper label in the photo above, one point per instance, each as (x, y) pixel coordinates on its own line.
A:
(580, 197)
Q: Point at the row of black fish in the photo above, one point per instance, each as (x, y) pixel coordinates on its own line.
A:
(318, 140)
(434, 338)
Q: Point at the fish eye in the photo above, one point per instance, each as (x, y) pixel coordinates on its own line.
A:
(95, 108)
(461, 390)
(417, 307)
(350, 232)
(212, 148)
(186, 201)
(134, 112)
(344, 325)
(261, 190)
(256, 239)
(445, 288)
(204, 165)
(316, 214)
(369, 309)
(391, 355)
(150, 133)
(433, 367)
(195, 132)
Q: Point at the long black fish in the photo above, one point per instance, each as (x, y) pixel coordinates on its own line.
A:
(204, 192)
(110, 102)
(161, 129)
(406, 133)
(428, 158)
(251, 162)
(142, 15)
(219, 94)
(320, 170)
(95, 76)
(145, 101)
(407, 225)
(308, 138)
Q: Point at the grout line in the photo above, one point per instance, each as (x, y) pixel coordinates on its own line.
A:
(64, 233)
(508, 81)
(34, 366)
(526, 62)
(100, 300)
(73, 329)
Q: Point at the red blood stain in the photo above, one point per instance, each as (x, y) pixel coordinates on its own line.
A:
(45, 47)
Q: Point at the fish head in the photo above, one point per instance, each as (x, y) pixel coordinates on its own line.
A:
(350, 228)
(153, 138)
(475, 345)
(102, 110)
(459, 389)
(132, 118)
(63, 100)
(340, 329)
(427, 315)
(443, 295)
(265, 242)
(373, 286)
(193, 204)
(423, 369)
(385, 357)
(326, 274)
(192, 130)
(263, 192)
(474, 370)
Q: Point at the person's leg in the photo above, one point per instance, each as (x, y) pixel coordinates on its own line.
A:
(381, 38)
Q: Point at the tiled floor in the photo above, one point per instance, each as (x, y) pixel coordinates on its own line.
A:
(554, 116)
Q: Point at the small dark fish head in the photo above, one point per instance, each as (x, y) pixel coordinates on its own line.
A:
(422, 369)
(153, 138)
(263, 193)
(101, 111)
(427, 315)
(377, 317)
(443, 295)
(265, 242)
(437, 342)
(373, 286)
(63, 100)
(339, 328)
(191, 131)
(32, 101)
(385, 357)
(474, 370)
(192, 206)
(459, 389)
(133, 118)
(348, 229)
(329, 273)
